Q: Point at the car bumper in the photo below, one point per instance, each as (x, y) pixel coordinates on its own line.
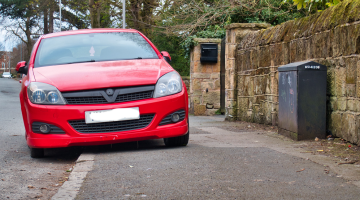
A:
(60, 115)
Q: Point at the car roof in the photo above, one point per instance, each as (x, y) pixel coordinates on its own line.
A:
(86, 31)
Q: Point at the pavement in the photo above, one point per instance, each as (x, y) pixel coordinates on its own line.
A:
(220, 162)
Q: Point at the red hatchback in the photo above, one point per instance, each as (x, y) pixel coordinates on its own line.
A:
(100, 86)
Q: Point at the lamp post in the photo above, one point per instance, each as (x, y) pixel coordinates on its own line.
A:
(60, 13)
(21, 51)
(124, 9)
(9, 56)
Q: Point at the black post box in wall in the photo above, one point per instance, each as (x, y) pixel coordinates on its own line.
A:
(209, 53)
(302, 100)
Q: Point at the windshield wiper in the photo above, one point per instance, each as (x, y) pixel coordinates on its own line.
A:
(82, 61)
(133, 58)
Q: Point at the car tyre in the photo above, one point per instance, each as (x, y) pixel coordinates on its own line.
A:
(178, 141)
(36, 153)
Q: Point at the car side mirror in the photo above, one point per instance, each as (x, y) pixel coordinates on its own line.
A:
(21, 67)
(166, 56)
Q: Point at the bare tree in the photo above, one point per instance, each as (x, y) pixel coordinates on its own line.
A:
(186, 17)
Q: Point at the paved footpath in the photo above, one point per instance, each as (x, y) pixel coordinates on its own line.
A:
(219, 163)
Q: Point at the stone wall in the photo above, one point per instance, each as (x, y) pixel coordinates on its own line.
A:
(204, 81)
(331, 37)
(186, 80)
(234, 34)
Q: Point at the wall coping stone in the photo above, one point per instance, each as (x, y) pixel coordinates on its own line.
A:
(207, 40)
(247, 25)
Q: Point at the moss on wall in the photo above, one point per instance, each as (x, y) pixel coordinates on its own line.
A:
(345, 12)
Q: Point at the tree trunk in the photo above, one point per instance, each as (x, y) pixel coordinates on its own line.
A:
(147, 16)
(94, 13)
(51, 19)
(28, 37)
(135, 13)
(98, 20)
(46, 30)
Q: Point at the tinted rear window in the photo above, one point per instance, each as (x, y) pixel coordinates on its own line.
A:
(93, 47)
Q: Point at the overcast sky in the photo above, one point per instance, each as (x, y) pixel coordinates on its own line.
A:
(10, 42)
(2, 39)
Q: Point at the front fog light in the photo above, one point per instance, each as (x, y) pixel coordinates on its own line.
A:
(45, 128)
(175, 117)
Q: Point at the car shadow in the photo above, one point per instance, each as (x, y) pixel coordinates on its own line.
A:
(144, 145)
(61, 155)
(70, 154)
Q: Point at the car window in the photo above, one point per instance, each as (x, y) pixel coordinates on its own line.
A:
(93, 47)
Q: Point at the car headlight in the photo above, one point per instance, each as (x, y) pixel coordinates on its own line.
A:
(168, 84)
(42, 93)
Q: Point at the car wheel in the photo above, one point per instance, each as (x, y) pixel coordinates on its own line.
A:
(36, 153)
(178, 141)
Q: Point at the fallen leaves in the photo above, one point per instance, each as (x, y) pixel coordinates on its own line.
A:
(301, 170)
(351, 162)
(306, 152)
(31, 187)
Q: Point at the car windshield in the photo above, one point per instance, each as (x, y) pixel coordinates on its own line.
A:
(6, 73)
(93, 47)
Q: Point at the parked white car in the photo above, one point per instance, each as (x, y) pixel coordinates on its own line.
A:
(6, 75)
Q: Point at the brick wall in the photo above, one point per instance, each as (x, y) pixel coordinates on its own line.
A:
(331, 37)
(4, 58)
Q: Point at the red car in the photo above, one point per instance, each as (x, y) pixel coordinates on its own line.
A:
(100, 86)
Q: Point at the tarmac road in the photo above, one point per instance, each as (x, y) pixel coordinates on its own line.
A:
(22, 177)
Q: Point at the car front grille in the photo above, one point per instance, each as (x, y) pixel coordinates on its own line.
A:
(85, 100)
(107, 127)
(102, 96)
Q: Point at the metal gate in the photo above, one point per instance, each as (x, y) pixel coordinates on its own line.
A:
(222, 76)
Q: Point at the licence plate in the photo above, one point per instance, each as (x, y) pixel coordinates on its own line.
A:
(119, 114)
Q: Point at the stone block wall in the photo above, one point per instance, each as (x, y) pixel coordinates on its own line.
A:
(331, 38)
(186, 80)
(234, 35)
(204, 81)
